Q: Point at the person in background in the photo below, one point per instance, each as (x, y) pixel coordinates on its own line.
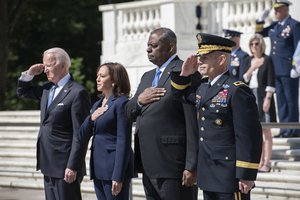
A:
(261, 79)
(284, 35)
(166, 130)
(111, 161)
(64, 105)
(236, 65)
(230, 134)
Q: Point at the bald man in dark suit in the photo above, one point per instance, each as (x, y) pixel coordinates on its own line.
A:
(166, 129)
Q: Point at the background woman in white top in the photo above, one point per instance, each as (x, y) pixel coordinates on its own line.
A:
(261, 79)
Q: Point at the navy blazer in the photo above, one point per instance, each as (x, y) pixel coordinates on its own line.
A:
(57, 144)
(111, 152)
(284, 40)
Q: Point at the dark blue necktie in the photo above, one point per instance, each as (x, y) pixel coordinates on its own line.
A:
(51, 94)
(156, 78)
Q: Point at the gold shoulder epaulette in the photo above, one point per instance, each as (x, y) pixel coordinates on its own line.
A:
(204, 77)
(239, 83)
(259, 27)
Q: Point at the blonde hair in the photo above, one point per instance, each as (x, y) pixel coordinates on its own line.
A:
(260, 40)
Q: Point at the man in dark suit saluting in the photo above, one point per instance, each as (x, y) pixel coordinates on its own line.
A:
(166, 129)
(64, 105)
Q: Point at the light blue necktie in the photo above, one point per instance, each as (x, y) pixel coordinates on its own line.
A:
(51, 94)
(156, 78)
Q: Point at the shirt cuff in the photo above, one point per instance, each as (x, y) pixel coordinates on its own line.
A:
(25, 77)
(246, 79)
(139, 105)
(270, 89)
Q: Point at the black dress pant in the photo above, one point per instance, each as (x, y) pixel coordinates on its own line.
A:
(168, 189)
(58, 189)
(103, 190)
(225, 196)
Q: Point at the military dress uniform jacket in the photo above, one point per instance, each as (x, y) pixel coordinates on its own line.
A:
(166, 130)
(284, 39)
(57, 141)
(236, 65)
(230, 134)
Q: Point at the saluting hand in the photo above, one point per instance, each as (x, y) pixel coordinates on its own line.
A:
(36, 69)
(189, 66)
(150, 95)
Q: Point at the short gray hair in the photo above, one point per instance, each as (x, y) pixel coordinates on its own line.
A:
(167, 35)
(60, 55)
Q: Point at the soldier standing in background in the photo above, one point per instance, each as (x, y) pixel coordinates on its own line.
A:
(237, 57)
(284, 35)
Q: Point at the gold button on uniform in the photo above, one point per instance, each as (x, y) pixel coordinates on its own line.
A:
(226, 158)
(201, 139)
(202, 128)
(202, 118)
(203, 108)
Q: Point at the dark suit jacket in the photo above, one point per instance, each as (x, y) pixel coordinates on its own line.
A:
(236, 64)
(265, 77)
(166, 130)
(111, 153)
(57, 141)
(284, 40)
(229, 130)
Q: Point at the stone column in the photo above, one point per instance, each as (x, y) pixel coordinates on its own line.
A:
(294, 9)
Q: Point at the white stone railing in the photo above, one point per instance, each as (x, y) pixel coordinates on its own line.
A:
(126, 26)
(136, 23)
(233, 14)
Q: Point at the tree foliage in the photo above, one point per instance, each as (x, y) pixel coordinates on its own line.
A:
(73, 25)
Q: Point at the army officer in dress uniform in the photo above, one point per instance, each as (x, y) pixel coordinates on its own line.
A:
(284, 35)
(236, 65)
(230, 134)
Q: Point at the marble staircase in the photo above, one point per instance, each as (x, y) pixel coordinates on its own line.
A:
(18, 132)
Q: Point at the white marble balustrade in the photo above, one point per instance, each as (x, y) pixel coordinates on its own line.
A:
(126, 26)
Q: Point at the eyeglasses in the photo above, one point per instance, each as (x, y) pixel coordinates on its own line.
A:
(254, 44)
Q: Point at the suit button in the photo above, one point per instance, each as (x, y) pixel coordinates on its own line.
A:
(202, 128)
(217, 111)
(203, 108)
(202, 118)
(273, 53)
(226, 158)
(274, 47)
(201, 139)
(275, 42)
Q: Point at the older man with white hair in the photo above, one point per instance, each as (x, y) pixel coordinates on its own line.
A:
(64, 105)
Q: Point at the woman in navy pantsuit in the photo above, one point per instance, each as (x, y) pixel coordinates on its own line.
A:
(111, 164)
